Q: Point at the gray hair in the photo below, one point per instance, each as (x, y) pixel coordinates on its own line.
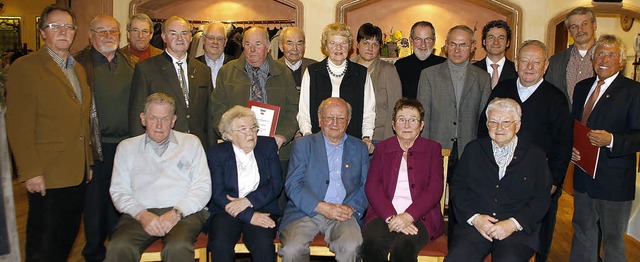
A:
(291, 28)
(535, 43)
(226, 121)
(612, 40)
(580, 11)
(160, 98)
(142, 17)
(506, 104)
(330, 100)
(463, 28)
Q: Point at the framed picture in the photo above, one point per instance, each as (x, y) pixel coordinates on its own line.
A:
(10, 32)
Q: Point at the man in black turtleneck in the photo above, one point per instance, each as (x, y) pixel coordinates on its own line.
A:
(423, 37)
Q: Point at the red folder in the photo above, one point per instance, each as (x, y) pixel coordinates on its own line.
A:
(589, 154)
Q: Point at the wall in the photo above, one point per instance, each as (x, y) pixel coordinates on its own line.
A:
(227, 10)
(27, 10)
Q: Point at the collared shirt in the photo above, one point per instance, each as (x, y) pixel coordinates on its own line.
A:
(99, 58)
(500, 65)
(526, 92)
(68, 69)
(248, 173)
(504, 155)
(335, 191)
(580, 67)
(184, 67)
(263, 74)
(293, 66)
(159, 147)
(603, 88)
(215, 67)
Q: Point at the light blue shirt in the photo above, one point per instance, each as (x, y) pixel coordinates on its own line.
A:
(525, 92)
(335, 191)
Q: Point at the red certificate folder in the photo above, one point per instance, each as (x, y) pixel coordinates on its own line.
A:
(267, 116)
(589, 154)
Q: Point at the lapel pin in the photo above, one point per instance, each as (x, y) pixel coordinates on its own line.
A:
(346, 166)
(606, 96)
(191, 76)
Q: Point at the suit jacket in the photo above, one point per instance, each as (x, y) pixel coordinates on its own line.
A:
(48, 128)
(232, 88)
(134, 59)
(424, 168)
(388, 90)
(523, 192)
(546, 121)
(442, 117)
(224, 178)
(618, 112)
(557, 71)
(508, 72)
(227, 58)
(308, 177)
(157, 74)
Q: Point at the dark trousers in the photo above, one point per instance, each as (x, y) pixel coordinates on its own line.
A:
(100, 216)
(378, 242)
(470, 246)
(547, 227)
(225, 231)
(451, 167)
(53, 223)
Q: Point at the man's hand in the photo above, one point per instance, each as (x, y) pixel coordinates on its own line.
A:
(169, 220)
(575, 155)
(502, 229)
(280, 140)
(403, 223)
(553, 189)
(297, 135)
(484, 223)
(151, 223)
(334, 211)
(262, 220)
(36, 185)
(599, 138)
(90, 175)
(236, 205)
(370, 145)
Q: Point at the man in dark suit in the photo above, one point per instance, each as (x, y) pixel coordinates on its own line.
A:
(574, 64)
(48, 104)
(139, 32)
(546, 122)
(215, 39)
(325, 186)
(109, 76)
(172, 73)
(609, 105)
(292, 45)
(496, 39)
(423, 37)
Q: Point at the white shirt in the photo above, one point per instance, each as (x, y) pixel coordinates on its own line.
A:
(248, 173)
(141, 179)
(215, 67)
(500, 65)
(293, 66)
(525, 92)
(368, 113)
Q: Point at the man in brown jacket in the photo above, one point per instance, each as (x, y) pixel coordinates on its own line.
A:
(139, 32)
(48, 104)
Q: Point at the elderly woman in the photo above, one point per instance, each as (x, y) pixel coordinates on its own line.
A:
(336, 76)
(500, 191)
(245, 173)
(404, 187)
(386, 82)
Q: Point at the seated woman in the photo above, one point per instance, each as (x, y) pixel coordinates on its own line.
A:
(404, 187)
(500, 191)
(245, 173)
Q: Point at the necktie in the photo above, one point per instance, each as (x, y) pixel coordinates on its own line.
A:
(256, 88)
(183, 83)
(495, 76)
(591, 102)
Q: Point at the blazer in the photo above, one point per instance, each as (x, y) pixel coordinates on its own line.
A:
(424, 167)
(232, 88)
(523, 192)
(388, 90)
(618, 112)
(224, 178)
(557, 71)
(134, 59)
(443, 119)
(508, 72)
(227, 58)
(157, 74)
(308, 177)
(48, 128)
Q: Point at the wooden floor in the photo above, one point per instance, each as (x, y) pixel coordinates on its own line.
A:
(559, 249)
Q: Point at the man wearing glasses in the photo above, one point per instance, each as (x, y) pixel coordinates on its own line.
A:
(109, 77)
(139, 33)
(423, 37)
(188, 81)
(215, 40)
(48, 104)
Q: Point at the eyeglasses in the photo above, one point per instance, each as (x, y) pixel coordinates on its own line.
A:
(57, 26)
(218, 38)
(503, 124)
(411, 121)
(137, 31)
(155, 120)
(245, 130)
(453, 45)
(609, 55)
(426, 39)
(105, 33)
(331, 119)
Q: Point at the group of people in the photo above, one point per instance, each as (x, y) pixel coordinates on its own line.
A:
(149, 144)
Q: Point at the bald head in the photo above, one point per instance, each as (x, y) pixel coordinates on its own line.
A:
(104, 35)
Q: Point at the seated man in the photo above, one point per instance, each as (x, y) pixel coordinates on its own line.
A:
(325, 186)
(501, 189)
(161, 184)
